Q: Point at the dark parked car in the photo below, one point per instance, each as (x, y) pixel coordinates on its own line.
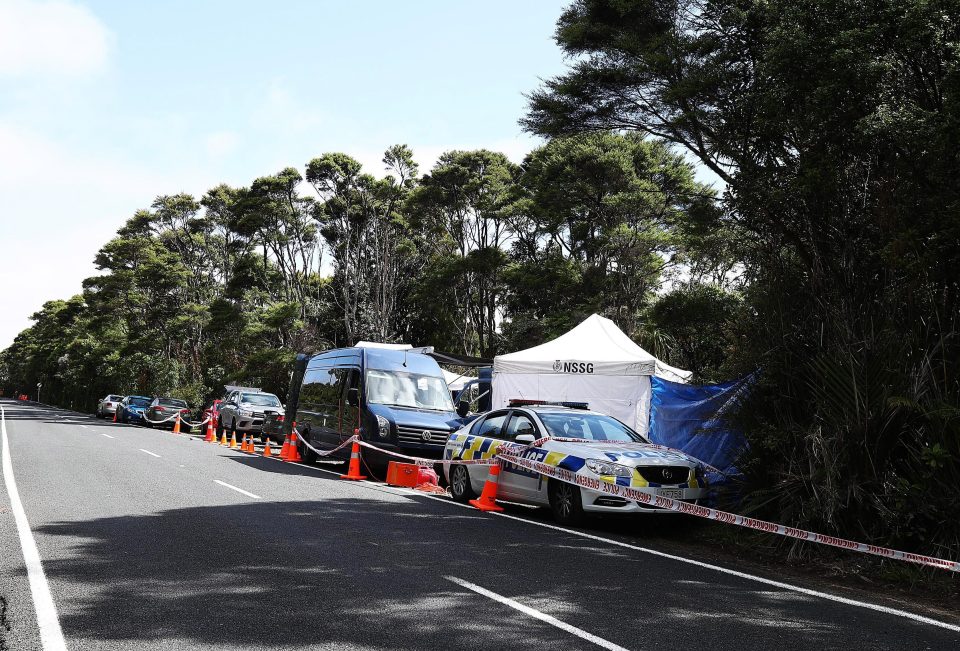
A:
(163, 408)
(131, 409)
(273, 427)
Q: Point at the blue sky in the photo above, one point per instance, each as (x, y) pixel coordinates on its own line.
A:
(106, 104)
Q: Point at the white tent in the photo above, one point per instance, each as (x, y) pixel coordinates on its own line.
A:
(594, 363)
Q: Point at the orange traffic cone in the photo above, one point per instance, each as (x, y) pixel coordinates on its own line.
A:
(353, 471)
(211, 436)
(285, 450)
(488, 498)
(233, 441)
(223, 439)
(114, 415)
(243, 443)
(250, 447)
(176, 425)
(266, 449)
(293, 454)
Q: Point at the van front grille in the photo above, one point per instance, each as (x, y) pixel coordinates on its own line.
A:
(423, 436)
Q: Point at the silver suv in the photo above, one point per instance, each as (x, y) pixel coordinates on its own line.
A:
(243, 411)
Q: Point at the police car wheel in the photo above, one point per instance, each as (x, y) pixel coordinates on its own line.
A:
(565, 502)
(460, 488)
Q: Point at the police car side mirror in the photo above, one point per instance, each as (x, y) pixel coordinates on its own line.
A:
(353, 397)
(525, 438)
(463, 408)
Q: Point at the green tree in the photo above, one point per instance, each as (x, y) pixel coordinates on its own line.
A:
(834, 125)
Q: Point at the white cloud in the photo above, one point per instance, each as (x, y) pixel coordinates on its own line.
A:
(221, 143)
(56, 37)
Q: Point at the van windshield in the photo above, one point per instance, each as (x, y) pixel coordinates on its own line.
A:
(398, 389)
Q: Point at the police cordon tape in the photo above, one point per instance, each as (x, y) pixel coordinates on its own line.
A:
(596, 484)
(723, 516)
(327, 453)
(183, 421)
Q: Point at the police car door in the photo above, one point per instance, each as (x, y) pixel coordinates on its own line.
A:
(515, 480)
(482, 444)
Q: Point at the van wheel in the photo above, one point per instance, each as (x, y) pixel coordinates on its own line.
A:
(460, 488)
(565, 502)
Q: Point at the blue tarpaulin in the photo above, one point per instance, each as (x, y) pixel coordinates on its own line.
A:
(691, 418)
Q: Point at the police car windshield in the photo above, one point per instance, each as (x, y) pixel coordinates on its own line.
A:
(592, 427)
(260, 399)
(398, 389)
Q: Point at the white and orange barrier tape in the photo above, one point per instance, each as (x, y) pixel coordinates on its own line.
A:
(327, 453)
(648, 499)
(511, 453)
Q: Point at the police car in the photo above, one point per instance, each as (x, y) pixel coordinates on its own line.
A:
(583, 442)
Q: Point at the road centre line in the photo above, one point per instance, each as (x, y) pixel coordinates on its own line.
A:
(536, 614)
(149, 452)
(239, 490)
(51, 635)
(742, 575)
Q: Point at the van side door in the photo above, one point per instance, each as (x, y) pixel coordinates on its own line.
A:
(349, 415)
(309, 413)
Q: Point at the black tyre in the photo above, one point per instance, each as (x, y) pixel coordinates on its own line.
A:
(308, 455)
(460, 488)
(565, 502)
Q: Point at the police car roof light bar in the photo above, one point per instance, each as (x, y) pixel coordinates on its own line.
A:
(528, 402)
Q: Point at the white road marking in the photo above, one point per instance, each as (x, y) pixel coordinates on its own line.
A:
(536, 614)
(51, 636)
(153, 454)
(239, 490)
(107, 435)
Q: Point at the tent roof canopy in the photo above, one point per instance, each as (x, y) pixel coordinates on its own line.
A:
(595, 347)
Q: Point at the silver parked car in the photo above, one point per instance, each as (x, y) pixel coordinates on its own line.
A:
(243, 411)
(108, 406)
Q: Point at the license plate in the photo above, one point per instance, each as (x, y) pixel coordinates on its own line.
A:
(672, 493)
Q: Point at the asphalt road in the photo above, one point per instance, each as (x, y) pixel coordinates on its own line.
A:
(146, 544)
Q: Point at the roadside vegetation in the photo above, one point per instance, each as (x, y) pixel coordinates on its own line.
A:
(826, 257)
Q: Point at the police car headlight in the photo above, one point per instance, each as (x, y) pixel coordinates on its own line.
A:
(606, 468)
(245, 412)
(383, 426)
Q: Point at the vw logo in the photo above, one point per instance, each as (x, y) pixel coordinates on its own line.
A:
(426, 436)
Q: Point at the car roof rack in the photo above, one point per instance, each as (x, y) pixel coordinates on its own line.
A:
(529, 402)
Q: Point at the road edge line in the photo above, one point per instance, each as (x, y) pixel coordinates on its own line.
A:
(51, 635)
(536, 614)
